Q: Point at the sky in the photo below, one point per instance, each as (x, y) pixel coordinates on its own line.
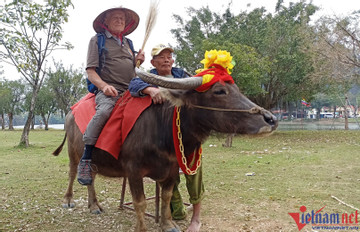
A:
(79, 30)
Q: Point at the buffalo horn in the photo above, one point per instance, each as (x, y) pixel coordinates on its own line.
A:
(170, 83)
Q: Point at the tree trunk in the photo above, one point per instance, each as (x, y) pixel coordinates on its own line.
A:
(346, 113)
(318, 110)
(11, 121)
(228, 140)
(33, 123)
(24, 140)
(46, 121)
(346, 122)
(2, 121)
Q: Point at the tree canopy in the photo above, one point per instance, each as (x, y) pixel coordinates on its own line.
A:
(67, 85)
(272, 51)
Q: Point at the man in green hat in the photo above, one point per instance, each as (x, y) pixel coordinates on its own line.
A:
(111, 75)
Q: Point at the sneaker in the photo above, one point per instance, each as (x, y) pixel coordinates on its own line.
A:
(84, 172)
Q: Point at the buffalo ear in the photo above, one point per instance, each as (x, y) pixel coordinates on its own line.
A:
(174, 96)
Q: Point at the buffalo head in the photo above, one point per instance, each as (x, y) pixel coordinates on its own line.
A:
(222, 108)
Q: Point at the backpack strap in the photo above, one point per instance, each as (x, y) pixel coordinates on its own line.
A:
(131, 45)
(102, 51)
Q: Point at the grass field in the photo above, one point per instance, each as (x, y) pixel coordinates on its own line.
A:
(290, 169)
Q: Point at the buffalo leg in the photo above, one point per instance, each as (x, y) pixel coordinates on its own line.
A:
(74, 138)
(166, 220)
(93, 203)
(68, 201)
(139, 202)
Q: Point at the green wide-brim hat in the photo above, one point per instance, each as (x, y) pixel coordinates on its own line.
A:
(130, 17)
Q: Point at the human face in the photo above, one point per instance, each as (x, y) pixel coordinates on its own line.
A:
(116, 21)
(163, 62)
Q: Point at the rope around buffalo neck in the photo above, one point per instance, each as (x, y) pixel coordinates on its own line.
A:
(177, 136)
(254, 110)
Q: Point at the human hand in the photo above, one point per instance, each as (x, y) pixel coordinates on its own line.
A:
(109, 90)
(140, 57)
(154, 94)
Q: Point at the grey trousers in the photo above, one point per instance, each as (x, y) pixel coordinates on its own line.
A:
(104, 106)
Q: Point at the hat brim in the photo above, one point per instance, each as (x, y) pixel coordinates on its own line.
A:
(159, 51)
(130, 17)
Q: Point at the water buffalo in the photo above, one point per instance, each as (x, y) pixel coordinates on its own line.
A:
(148, 151)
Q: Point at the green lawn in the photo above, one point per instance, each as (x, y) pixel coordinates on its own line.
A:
(291, 169)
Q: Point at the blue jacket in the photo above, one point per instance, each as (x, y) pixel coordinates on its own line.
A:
(137, 85)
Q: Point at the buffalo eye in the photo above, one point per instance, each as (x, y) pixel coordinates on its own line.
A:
(220, 92)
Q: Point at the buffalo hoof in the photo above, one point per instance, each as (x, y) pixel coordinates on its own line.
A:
(68, 206)
(96, 211)
(172, 230)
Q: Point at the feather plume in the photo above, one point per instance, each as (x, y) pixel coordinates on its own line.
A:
(150, 22)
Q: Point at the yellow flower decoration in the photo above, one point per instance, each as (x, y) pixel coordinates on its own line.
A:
(220, 57)
(210, 57)
(212, 73)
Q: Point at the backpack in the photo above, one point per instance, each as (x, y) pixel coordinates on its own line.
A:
(102, 55)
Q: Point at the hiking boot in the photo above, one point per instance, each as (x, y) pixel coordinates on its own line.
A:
(84, 172)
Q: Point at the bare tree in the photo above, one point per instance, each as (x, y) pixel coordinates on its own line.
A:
(338, 48)
(29, 33)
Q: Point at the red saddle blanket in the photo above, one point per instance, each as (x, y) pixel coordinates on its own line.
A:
(120, 123)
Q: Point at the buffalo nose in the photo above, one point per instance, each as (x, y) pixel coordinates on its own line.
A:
(271, 119)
